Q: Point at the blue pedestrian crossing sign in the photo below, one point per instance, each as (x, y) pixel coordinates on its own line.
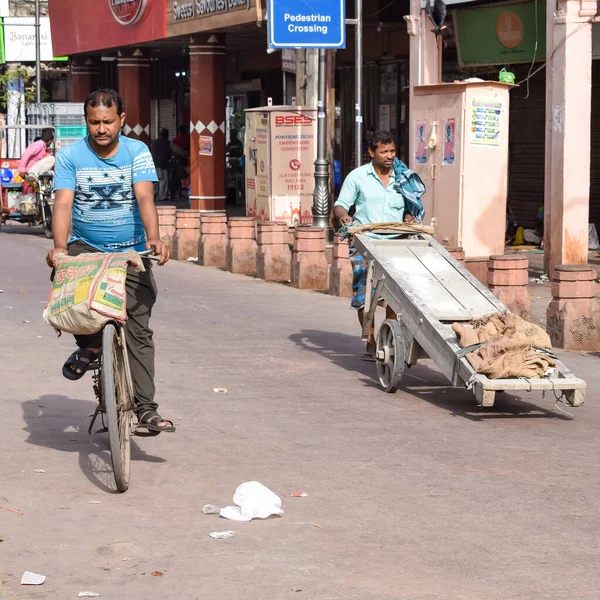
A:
(307, 24)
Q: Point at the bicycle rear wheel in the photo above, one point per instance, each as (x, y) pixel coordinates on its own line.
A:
(117, 391)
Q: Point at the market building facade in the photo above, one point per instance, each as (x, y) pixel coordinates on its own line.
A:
(202, 63)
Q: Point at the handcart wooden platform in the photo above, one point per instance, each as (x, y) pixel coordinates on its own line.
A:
(429, 290)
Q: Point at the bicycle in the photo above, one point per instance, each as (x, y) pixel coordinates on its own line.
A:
(113, 388)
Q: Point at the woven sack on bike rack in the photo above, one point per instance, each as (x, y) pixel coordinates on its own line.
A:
(89, 290)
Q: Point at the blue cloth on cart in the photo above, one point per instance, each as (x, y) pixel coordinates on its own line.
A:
(412, 188)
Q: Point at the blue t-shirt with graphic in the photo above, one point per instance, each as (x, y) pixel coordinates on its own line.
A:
(106, 214)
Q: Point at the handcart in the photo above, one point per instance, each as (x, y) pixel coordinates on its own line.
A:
(429, 289)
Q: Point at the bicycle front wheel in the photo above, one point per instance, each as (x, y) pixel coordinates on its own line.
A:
(117, 392)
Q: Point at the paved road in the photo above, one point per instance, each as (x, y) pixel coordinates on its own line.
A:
(415, 496)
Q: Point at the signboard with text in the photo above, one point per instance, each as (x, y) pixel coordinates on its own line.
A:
(501, 34)
(19, 39)
(80, 26)
(191, 16)
(309, 24)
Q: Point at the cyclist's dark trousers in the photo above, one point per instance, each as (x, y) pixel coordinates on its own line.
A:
(141, 296)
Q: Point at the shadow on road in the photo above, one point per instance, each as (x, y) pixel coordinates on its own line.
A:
(420, 381)
(340, 348)
(15, 228)
(427, 384)
(61, 423)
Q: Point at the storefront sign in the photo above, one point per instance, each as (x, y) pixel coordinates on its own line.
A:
(199, 8)
(309, 24)
(19, 39)
(500, 34)
(127, 12)
(79, 27)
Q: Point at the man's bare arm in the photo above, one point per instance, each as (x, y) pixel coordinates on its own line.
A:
(144, 193)
(62, 215)
(342, 215)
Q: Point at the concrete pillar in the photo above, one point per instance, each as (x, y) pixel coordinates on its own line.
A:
(187, 232)
(207, 122)
(273, 258)
(340, 278)
(309, 264)
(568, 118)
(166, 225)
(307, 72)
(212, 246)
(508, 277)
(424, 61)
(85, 78)
(134, 89)
(573, 315)
(478, 267)
(241, 245)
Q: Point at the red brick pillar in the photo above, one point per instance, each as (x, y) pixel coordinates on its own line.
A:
(273, 258)
(241, 245)
(207, 122)
(212, 248)
(187, 232)
(309, 264)
(573, 317)
(478, 267)
(457, 253)
(85, 78)
(134, 89)
(507, 279)
(340, 279)
(166, 224)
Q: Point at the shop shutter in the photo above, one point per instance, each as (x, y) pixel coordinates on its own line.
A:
(167, 116)
(527, 142)
(526, 156)
(154, 119)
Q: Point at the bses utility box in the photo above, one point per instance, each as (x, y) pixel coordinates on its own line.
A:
(281, 149)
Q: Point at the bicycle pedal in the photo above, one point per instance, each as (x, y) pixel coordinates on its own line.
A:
(142, 431)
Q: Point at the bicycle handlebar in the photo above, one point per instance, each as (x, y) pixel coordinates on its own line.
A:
(149, 254)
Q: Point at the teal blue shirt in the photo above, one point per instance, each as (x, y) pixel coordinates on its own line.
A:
(374, 202)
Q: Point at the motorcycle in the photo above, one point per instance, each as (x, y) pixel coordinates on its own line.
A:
(36, 204)
(34, 207)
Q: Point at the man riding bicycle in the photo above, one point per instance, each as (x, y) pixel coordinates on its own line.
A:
(104, 192)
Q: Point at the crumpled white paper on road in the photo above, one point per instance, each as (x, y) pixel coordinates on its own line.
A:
(254, 501)
(30, 578)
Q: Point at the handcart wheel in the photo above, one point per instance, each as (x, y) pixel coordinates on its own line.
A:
(390, 355)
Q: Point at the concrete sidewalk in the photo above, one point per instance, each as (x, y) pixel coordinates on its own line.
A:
(418, 495)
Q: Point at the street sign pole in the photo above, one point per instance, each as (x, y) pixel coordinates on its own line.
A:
(38, 53)
(358, 57)
(321, 198)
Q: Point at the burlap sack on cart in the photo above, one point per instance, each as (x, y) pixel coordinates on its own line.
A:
(89, 290)
(508, 346)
